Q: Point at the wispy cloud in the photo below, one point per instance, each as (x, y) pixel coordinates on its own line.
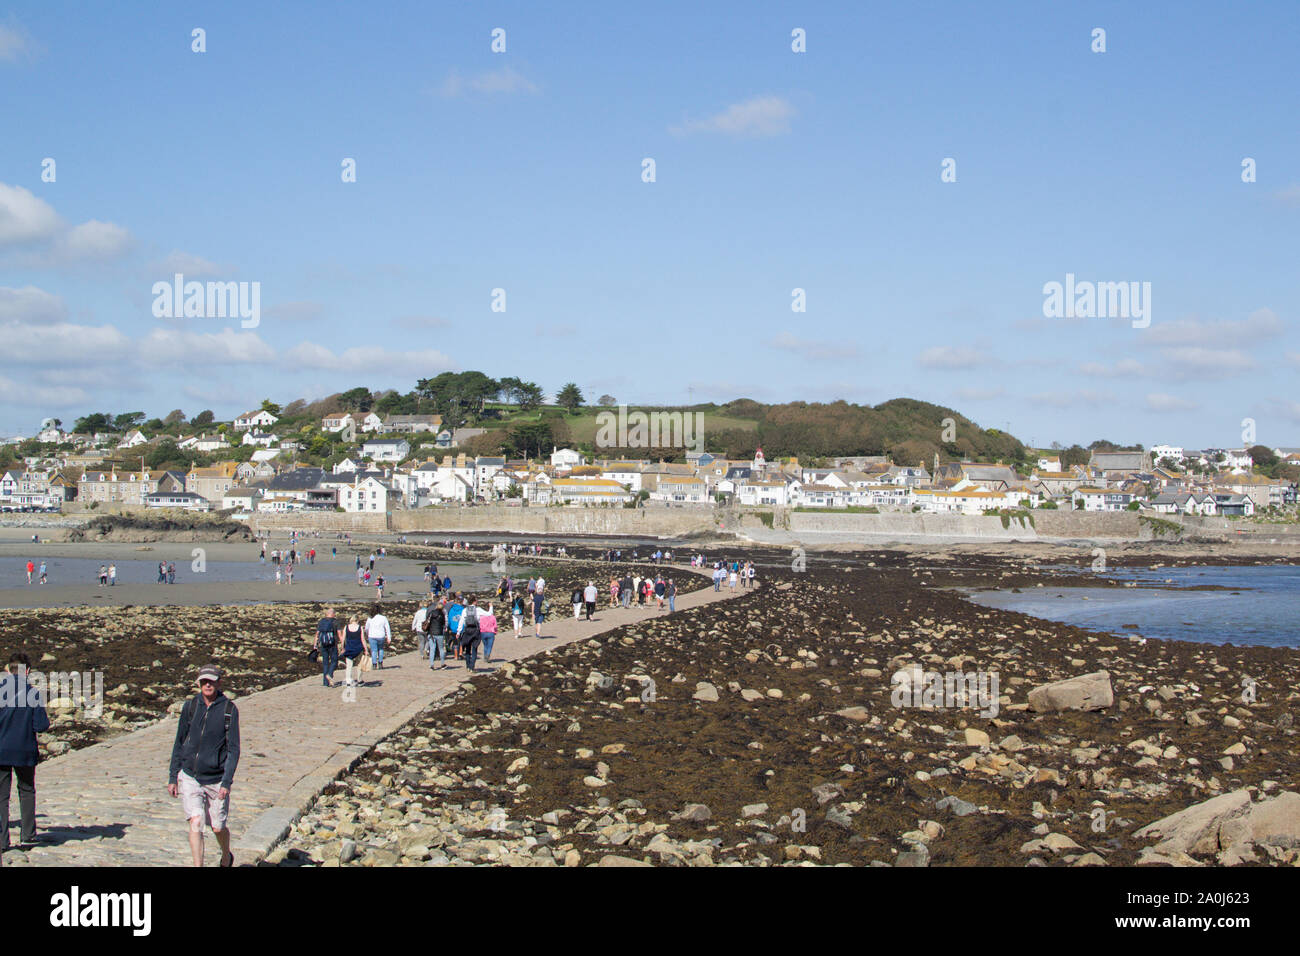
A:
(38, 236)
(188, 265)
(813, 350)
(304, 311)
(1162, 402)
(16, 46)
(1262, 323)
(756, 116)
(953, 357)
(1289, 195)
(1124, 368)
(25, 218)
(505, 80)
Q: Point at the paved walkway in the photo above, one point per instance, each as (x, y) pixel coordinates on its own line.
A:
(107, 805)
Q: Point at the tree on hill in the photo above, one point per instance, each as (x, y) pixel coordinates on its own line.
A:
(529, 440)
(204, 417)
(175, 417)
(355, 400)
(270, 406)
(570, 397)
(530, 396)
(509, 389)
(94, 422)
(607, 400)
(127, 420)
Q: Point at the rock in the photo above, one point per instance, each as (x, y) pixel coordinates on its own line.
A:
(840, 817)
(1085, 692)
(1012, 743)
(517, 765)
(694, 813)
(1056, 842)
(594, 782)
(347, 851)
(1089, 859)
(613, 859)
(1276, 822)
(976, 738)
(854, 713)
(705, 691)
(1236, 750)
(825, 792)
(1197, 830)
(753, 810)
(958, 806)
(572, 858)
(751, 695)
(919, 855)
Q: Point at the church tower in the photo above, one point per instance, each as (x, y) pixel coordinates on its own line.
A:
(759, 465)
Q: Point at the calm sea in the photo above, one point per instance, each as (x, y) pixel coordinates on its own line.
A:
(1262, 605)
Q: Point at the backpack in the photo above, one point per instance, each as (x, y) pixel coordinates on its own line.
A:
(471, 632)
(328, 638)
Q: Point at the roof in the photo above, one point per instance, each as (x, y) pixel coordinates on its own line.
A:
(300, 479)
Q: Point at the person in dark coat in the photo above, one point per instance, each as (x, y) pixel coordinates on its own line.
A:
(22, 717)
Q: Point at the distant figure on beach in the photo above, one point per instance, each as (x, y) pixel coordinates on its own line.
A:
(103, 575)
(31, 569)
(517, 613)
(379, 587)
(204, 757)
(112, 575)
(162, 572)
(288, 572)
(372, 560)
(42, 572)
(277, 574)
(171, 572)
(327, 644)
(469, 633)
(670, 592)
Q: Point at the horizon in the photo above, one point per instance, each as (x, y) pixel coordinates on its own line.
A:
(782, 178)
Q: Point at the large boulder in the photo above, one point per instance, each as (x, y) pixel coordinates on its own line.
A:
(1085, 692)
(1229, 825)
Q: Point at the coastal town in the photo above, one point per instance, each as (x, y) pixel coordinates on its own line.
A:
(384, 463)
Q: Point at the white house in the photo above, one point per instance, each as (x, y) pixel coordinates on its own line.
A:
(1101, 499)
(1172, 452)
(970, 500)
(681, 489)
(183, 500)
(365, 495)
(372, 424)
(582, 491)
(259, 419)
(133, 439)
(336, 422)
(761, 491)
(260, 439)
(564, 459)
(386, 449)
(348, 466)
(625, 473)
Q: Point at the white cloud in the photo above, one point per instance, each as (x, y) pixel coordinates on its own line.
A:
(93, 241)
(1198, 362)
(62, 343)
(1289, 196)
(952, 357)
(1161, 402)
(756, 116)
(504, 80)
(223, 347)
(1262, 323)
(31, 305)
(15, 44)
(58, 396)
(1124, 368)
(25, 218)
(813, 350)
(979, 394)
(368, 359)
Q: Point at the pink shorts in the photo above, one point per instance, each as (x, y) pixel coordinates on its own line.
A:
(201, 801)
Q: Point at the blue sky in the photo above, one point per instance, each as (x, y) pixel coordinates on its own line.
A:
(774, 170)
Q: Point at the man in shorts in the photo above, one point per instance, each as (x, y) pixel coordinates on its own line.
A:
(204, 758)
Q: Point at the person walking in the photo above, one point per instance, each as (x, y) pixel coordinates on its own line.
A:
(379, 587)
(454, 611)
(31, 569)
(613, 590)
(469, 633)
(103, 575)
(288, 573)
(372, 560)
(171, 573)
(538, 611)
(589, 596)
(660, 587)
(625, 590)
(670, 592)
(435, 624)
(112, 575)
(517, 613)
(576, 600)
(353, 649)
(487, 625)
(379, 635)
(417, 627)
(162, 572)
(43, 574)
(204, 757)
(19, 751)
(327, 645)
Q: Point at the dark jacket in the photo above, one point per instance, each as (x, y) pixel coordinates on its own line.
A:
(435, 621)
(203, 748)
(22, 717)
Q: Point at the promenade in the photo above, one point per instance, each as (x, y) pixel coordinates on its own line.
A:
(107, 805)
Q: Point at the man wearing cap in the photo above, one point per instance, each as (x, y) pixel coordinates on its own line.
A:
(203, 763)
